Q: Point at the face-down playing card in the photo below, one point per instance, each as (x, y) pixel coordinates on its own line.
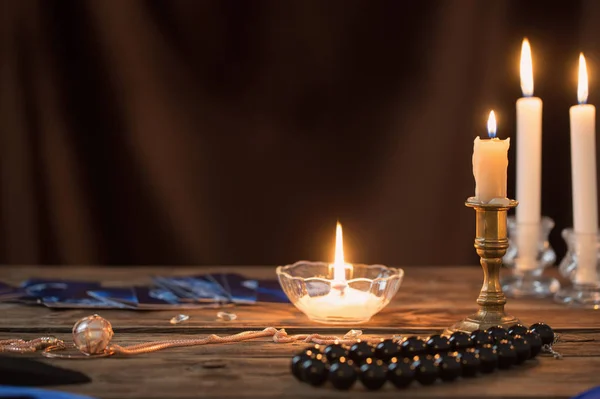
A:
(66, 294)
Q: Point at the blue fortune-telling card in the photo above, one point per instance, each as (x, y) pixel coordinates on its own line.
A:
(8, 292)
(270, 291)
(181, 292)
(160, 298)
(203, 288)
(66, 294)
(145, 298)
(240, 289)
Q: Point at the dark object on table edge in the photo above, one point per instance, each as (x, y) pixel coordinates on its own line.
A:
(19, 371)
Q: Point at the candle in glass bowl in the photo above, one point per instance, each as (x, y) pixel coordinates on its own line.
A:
(342, 300)
(583, 170)
(490, 160)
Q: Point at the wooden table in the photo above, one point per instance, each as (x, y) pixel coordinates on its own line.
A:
(429, 299)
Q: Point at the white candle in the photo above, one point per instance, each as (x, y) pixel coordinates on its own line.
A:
(583, 170)
(490, 160)
(529, 165)
(341, 300)
(529, 145)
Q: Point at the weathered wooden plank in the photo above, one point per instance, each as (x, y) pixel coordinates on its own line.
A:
(430, 298)
(183, 376)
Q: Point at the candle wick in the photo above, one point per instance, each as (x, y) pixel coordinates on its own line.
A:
(340, 287)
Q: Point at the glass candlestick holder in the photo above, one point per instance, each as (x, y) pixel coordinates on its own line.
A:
(581, 265)
(528, 254)
(364, 291)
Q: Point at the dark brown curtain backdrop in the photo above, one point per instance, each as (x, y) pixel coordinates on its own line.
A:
(238, 132)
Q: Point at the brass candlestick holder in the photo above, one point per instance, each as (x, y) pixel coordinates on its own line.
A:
(491, 243)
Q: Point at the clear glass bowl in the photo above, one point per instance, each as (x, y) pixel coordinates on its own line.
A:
(367, 290)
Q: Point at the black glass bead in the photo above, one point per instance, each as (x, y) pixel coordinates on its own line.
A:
(342, 375)
(334, 352)
(545, 331)
(449, 367)
(426, 372)
(297, 361)
(522, 347)
(535, 341)
(488, 358)
(373, 374)
(387, 349)
(314, 371)
(460, 340)
(470, 362)
(437, 344)
(361, 351)
(401, 372)
(413, 346)
(517, 329)
(507, 354)
(498, 333)
(481, 337)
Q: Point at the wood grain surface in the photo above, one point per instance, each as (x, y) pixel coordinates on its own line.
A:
(429, 299)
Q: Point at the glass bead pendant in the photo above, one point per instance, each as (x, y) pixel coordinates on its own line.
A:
(92, 335)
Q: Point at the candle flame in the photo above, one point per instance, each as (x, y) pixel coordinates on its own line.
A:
(526, 69)
(491, 125)
(339, 264)
(582, 86)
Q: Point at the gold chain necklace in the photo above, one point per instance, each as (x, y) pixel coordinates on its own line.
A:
(92, 338)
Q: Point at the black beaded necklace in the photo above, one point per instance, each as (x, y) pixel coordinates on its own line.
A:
(426, 361)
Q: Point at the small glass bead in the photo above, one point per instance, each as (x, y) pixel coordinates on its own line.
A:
(92, 335)
(180, 318)
(353, 334)
(226, 316)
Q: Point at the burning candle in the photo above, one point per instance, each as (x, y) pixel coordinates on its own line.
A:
(341, 300)
(490, 160)
(529, 165)
(529, 145)
(583, 170)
